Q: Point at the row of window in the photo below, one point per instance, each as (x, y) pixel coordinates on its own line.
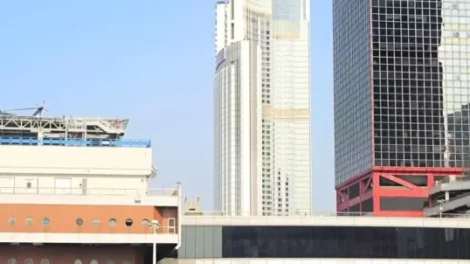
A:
(77, 261)
(326, 241)
(79, 222)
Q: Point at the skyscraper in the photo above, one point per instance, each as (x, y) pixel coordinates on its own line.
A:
(262, 107)
(401, 84)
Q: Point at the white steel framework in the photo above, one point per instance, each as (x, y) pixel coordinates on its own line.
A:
(64, 127)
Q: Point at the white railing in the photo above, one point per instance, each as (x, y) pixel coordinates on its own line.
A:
(88, 191)
(248, 214)
(319, 214)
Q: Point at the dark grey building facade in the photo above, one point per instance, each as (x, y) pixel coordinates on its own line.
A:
(352, 88)
(209, 242)
(400, 76)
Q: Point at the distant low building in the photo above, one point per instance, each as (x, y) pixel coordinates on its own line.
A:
(192, 207)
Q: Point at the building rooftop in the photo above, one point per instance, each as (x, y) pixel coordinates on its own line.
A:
(328, 219)
(65, 131)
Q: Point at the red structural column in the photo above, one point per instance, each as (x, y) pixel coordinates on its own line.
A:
(376, 191)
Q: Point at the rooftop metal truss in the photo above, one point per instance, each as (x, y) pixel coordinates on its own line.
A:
(66, 127)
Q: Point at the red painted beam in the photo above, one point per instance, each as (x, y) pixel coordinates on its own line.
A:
(419, 170)
(408, 170)
(367, 195)
(355, 201)
(391, 192)
(399, 213)
(399, 181)
(355, 179)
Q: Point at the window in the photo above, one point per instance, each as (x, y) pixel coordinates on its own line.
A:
(46, 221)
(29, 221)
(94, 261)
(12, 221)
(326, 242)
(77, 261)
(45, 261)
(12, 261)
(79, 221)
(171, 225)
(129, 222)
(145, 222)
(28, 261)
(96, 222)
(342, 242)
(112, 222)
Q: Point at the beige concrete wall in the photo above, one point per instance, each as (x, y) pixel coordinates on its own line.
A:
(82, 184)
(75, 160)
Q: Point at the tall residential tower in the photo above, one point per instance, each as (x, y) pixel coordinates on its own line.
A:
(262, 107)
(401, 81)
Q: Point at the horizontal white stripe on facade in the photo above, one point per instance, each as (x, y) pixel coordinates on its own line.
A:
(311, 261)
(77, 238)
(325, 221)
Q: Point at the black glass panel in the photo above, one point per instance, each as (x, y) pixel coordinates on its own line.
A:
(345, 242)
(408, 83)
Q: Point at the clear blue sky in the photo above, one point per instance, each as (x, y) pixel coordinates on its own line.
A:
(151, 61)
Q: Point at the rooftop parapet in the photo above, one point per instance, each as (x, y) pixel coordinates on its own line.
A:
(361, 217)
(358, 215)
(129, 143)
(90, 196)
(280, 214)
(89, 191)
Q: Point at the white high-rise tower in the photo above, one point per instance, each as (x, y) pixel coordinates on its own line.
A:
(262, 163)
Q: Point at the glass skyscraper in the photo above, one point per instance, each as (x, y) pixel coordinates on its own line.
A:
(401, 100)
(262, 107)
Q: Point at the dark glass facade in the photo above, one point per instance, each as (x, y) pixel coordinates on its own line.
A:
(418, 82)
(352, 88)
(408, 93)
(459, 131)
(324, 242)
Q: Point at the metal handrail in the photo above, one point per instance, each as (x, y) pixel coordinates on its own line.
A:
(88, 191)
(303, 215)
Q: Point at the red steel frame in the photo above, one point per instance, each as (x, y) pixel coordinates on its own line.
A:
(376, 192)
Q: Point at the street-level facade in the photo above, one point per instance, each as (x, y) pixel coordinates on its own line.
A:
(323, 239)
